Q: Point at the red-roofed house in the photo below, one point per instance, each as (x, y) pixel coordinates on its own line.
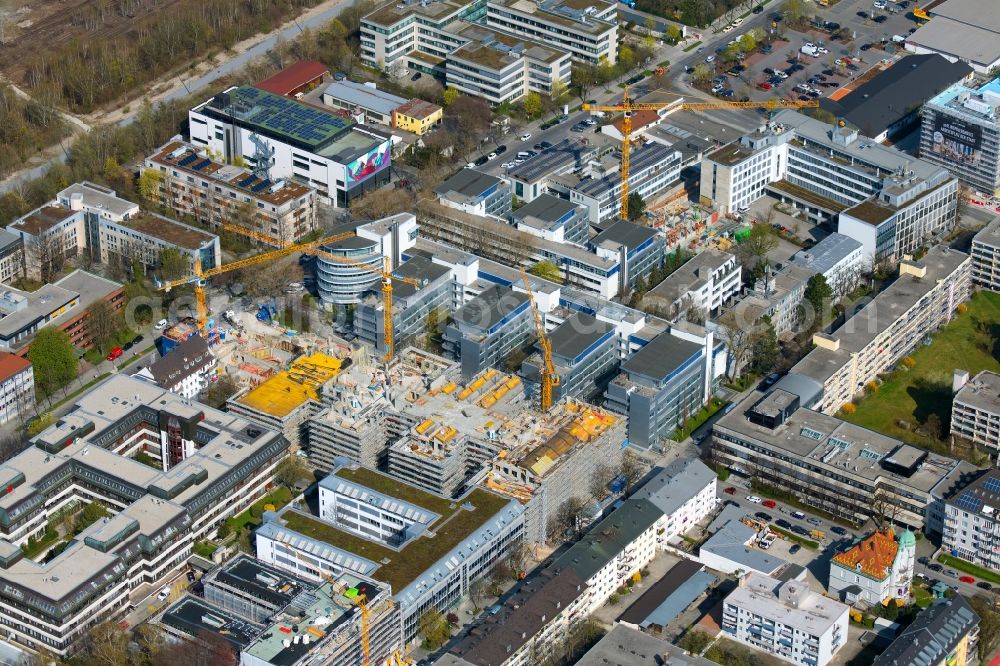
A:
(295, 79)
(17, 386)
(876, 570)
(641, 120)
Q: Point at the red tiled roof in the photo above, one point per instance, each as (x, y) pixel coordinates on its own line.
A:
(293, 76)
(418, 108)
(11, 364)
(640, 119)
(875, 555)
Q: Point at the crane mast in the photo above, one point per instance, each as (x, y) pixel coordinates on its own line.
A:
(549, 379)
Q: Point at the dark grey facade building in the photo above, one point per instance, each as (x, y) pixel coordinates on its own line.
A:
(251, 589)
(476, 193)
(488, 328)
(585, 355)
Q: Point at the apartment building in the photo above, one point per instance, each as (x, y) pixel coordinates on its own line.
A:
(212, 465)
(476, 193)
(191, 182)
(876, 570)
(11, 257)
(64, 304)
(314, 146)
(892, 325)
(946, 633)
(488, 328)
(776, 298)
(553, 219)
(417, 116)
(17, 387)
(975, 410)
(825, 171)
(664, 384)
(187, 369)
(391, 538)
(587, 30)
(960, 130)
(703, 284)
(831, 464)
(685, 493)
(785, 619)
(986, 256)
(585, 356)
(653, 168)
(361, 259)
(838, 258)
(971, 525)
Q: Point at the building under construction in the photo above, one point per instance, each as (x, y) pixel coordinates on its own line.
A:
(424, 425)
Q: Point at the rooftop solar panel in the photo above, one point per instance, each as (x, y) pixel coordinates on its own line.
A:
(279, 115)
(992, 485)
(188, 159)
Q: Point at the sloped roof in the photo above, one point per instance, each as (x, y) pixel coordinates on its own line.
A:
(875, 555)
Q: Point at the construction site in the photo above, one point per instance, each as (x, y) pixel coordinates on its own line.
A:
(426, 427)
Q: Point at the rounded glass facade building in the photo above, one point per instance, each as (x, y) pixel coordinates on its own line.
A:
(341, 283)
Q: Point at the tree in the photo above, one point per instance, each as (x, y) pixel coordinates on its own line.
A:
(293, 471)
(765, 348)
(989, 625)
(150, 639)
(599, 480)
(566, 518)
(47, 253)
(583, 78)
(747, 43)
(738, 340)
(762, 240)
(883, 509)
(547, 270)
(149, 184)
(107, 645)
(103, 323)
(434, 326)
(449, 96)
(558, 90)
(632, 468)
(626, 59)
(92, 512)
(477, 593)
(933, 426)
(173, 264)
(701, 74)
(673, 34)
(220, 391)
(433, 629)
(532, 104)
(54, 359)
(636, 206)
(605, 70)
(819, 296)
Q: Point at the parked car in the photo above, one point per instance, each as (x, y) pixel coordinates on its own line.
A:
(526, 136)
(967, 579)
(491, 156)
(753, 499)
(163, 594)
(798, 515)
(935, 567)
(137, 339)
(828, 72)
(950, 573)
(501, 149)
(783, 524)
(881, 19)
(127, 345)
(763, 515)
(770, 380)
(416, 76)
(161, 324)
(863, 15)
(836, 529)
(983, 585)
(115, 353)
(812, 520)
(730, 491)
(801, 531)
(770, 504)
(764, 85)
(730, 503)
(794, 549)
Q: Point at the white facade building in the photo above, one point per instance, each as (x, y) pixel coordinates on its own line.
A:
(972, 524)
(185, 370)
(986, 256)
(839, 258)
(878, 569)
(704, 283)
(786, 620)
(975, 410)
(588, 31)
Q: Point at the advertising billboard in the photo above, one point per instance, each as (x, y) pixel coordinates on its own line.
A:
(369, 164)
(957, 140)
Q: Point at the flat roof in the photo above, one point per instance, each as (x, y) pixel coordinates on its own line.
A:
(393, 12)
(545, 211)
(622, 232)
(577, 334)
(491, 307)
(193, 616)
(792, 603)
(730, 543)
(418, 268)
(170, 231)
(364, 96)
(827, 253)
(467, 185)
(966, 29)
(990, 234)
(270, 584)
(630, 647)
(981, 392)
(871, 211)
(661, 357)
(98, 196)
(553, 160)
(730, 154)
(692, 275)
(652, 154)
(576, 15)
(41, 219)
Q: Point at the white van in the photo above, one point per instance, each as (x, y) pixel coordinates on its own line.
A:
(899, 39)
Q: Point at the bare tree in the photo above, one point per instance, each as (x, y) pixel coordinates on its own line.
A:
(567, 518)
(47, 253)
(739, 341)
(102, 324)
(599, 480)
(883, 509)
(107, 645)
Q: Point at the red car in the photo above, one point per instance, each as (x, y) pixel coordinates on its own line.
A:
(764, 86)
(770, 504)
(967, 579)
(730, 491)
(115, 353)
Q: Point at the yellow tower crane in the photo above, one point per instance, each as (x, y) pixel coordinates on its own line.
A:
(385, 274)
(628, 106)
(199, 277)
(549, 378)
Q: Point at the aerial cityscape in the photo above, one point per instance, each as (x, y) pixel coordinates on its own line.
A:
(499, 332)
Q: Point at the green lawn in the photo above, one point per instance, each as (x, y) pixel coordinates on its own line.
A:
(921, 596)
(704, 414)
(791, 536)
(969, 568)
(913, 395)
(279, 497)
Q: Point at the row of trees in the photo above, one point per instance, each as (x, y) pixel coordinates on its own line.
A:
(26, 126)
(690, 12)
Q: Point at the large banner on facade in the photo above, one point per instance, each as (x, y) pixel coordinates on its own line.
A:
(957, 140)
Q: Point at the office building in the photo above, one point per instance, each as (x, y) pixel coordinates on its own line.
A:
(877, 570)
(962, 30)
(703, 284)
(364, 101)
(190, 182)
(476, 193)
(193, 620)
(209, 465)
(825, 170)
(986, 256)
(653, 169)
(185, 370)
(785, 619)
(946, 633)
(833, 465)
(664, 384)
(339, 158)
(960, 130)
(296, 79)
(553, 219)
(64, 304)
(252, 589)
(17, 387)
(889, 327)
(11, 257)
(637, 249)
(971, 526)
(838, 258)
(588, 31)
(545, 171)
(585, 356)
(356, 267)
(425, 549)
(888, 105)
(975, 410)
(488, 328)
